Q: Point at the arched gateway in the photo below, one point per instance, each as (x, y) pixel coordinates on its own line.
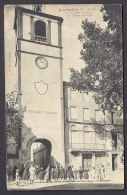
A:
(41, 156)
(41, 152)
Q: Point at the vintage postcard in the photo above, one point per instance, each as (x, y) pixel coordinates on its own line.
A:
(64, 96)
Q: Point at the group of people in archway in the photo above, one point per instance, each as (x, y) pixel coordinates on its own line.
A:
(30, 173)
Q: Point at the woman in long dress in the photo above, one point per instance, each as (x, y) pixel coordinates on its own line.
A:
(52, 174)
(41, 175)
(56, 173)
(47, 174)
(68, 173)
(37, 171)
(32, 173)
(87, 174)
(80, 173)
(84, 175)
(14, 171)
(93, 176)
(102, 169)
(62, 173)
(21, 171)
(98, 173)
(75, 173)
(25, 174)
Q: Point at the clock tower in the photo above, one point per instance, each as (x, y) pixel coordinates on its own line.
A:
(39, 79)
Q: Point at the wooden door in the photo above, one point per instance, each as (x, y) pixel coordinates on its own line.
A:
(87, 161)
(114, 162)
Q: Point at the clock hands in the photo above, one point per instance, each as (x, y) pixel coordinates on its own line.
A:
(41, 63)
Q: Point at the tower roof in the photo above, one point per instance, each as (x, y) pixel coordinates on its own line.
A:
(24, 10)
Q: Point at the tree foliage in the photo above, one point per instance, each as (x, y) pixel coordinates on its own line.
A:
(13, 121)
(102, 53)
(38, 7)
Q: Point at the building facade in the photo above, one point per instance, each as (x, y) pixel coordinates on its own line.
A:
(92, 138)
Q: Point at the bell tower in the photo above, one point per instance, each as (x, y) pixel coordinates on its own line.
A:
(39, 76)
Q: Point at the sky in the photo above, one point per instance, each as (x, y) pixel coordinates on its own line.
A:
(73, 15)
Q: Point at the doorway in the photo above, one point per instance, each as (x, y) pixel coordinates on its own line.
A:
(114, 162)
(87, 161)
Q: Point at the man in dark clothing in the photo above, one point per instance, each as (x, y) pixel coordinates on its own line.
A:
(14, 171)
(56, 173)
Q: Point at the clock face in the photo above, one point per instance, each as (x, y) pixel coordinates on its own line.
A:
(41, 62)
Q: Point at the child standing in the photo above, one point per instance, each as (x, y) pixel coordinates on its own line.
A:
(32, 173)
(75, 173)
(52, 174)
(17, 177)
(93, 176)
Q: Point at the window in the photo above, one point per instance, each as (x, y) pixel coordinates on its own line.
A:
(73, 112)
(117, 118)
(100, 138)
(80, 137)
(85, 96)
(86, 114)
(40, 31)
(114, 140)
(74, 137)
(77, 137)
(99, 116)
(73, 94)
(89, 137)
(108, 118)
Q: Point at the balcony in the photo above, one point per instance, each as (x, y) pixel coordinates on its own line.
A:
(87, 146)
(40, 39)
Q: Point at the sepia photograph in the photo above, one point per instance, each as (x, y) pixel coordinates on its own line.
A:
(64, 97)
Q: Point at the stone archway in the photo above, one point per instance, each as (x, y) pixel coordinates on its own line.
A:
(45, 139)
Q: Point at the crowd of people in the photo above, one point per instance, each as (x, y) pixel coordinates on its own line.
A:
(30, 173)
